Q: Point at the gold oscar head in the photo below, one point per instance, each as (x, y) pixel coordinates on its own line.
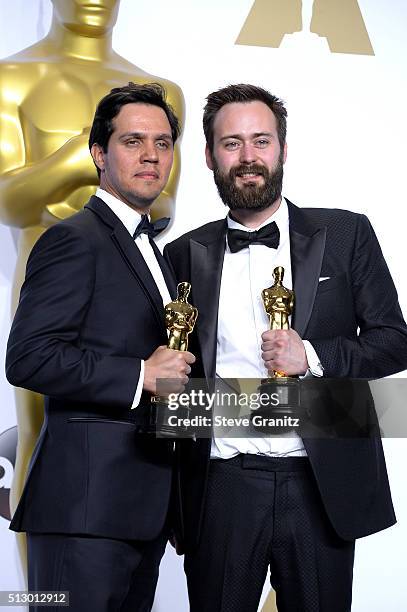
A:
(183, 290)
(92, 17)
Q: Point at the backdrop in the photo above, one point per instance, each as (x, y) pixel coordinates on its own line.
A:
(345, 90)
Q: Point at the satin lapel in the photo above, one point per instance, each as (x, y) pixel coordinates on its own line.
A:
(206, 273)
(165, 269)
(102, 210)
(134, 259)
(307, 246)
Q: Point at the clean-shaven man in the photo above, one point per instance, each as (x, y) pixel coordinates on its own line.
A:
(89, 334)
(294, 504)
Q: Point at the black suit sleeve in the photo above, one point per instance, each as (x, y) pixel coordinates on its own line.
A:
(45, 351)
(380, 348)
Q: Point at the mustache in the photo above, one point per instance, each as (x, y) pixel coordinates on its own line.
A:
(246, 168)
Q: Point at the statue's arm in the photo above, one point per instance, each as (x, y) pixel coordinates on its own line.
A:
(26, 187)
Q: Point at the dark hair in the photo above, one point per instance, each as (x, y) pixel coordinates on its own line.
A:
(243, 93)
(109, 107)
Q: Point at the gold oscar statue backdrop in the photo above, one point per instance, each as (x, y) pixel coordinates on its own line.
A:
(48, 95)
(340, 66)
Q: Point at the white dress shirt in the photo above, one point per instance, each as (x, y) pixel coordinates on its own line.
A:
(241, 322)
(130, 219)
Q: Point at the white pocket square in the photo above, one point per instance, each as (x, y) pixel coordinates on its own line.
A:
(323, 278)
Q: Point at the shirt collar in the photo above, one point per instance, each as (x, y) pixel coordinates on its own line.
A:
(280, 216)
(129, 217)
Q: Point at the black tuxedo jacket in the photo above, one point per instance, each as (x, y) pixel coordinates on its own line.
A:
(89, 311)
(355, 324)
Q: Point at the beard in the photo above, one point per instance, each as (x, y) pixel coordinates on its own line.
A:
(250, 196)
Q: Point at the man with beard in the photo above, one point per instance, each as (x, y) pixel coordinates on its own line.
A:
(293, 503)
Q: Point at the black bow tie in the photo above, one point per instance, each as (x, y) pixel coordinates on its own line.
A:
(268, 235)
(151, 229)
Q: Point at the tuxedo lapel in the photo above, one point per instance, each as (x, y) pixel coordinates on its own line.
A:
(165, 269)
(131, 255)
(207, 256)
(307, 245)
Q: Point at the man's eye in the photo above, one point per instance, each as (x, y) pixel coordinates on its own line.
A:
(262, 142)
(132, 142)
(162, 144)
(231, 145)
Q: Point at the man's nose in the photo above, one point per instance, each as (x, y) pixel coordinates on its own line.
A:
(149, 152)
(248, 154)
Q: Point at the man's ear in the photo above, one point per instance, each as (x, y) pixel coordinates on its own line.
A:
(208, 157)
(285, 153)
(98, 156)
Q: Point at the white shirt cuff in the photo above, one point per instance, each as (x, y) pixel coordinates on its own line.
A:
(139, 390)
(314, 365)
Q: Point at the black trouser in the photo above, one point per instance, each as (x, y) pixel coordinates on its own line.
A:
(265, 512)
(101, 574)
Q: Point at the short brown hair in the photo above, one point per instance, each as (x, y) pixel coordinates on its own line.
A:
(110, 106)
(243, 93)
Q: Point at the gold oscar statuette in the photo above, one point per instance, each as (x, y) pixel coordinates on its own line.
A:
(279, 304)
(180, 319)
(48, 95)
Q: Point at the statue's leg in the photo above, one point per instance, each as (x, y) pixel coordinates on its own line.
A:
(30, 416)
(29, 405)
(270, 603)
(183, 342)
